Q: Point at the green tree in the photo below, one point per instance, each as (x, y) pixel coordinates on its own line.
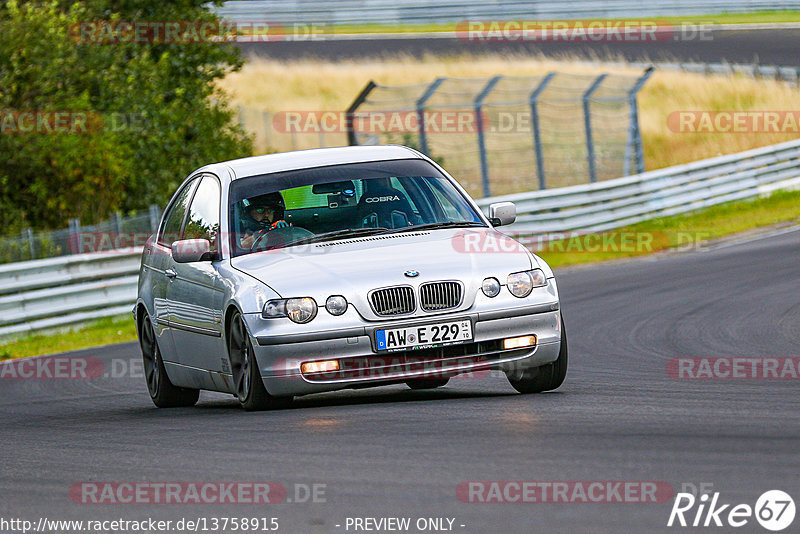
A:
(154, 111)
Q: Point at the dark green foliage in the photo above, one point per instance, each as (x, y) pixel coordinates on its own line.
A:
(153, 111)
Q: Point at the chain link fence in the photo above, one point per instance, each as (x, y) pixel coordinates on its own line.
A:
(118, 233)
(511, 134)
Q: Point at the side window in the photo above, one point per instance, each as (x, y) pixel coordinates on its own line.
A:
(172, 222)
(203, 221)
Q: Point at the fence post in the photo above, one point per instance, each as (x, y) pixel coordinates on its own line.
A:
(155, 217)
(537, 138)
(348, 118)
(633, 145)
(75, 233)
(587, 120)
(116, 222)
(423, 137)
(481, 137)
(27, 234)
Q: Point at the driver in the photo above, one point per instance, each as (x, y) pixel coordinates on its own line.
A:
(261, 214)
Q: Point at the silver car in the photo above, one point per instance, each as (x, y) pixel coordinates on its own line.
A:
(287, 274)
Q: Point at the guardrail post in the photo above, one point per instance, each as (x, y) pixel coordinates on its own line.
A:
(537, 138)
(481, 137)
(420, 106)
(27, 234)
(155, 217)
(633, 145)
(348, 118)
(75, 234)
(587, 120)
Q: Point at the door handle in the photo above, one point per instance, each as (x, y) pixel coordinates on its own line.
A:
(170, 273)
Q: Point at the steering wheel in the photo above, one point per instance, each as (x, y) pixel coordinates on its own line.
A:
(259, 236)
(285, 232)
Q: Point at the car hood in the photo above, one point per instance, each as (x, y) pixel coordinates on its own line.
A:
(352, 267)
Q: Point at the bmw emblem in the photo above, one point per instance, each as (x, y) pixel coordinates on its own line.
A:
(412, 274)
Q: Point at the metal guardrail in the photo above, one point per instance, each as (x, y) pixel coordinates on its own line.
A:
(790, 75)
(437, 11)
(62, 291)
(48, 293)
(614, 203)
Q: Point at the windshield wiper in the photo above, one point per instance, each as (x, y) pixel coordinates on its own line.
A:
(328, 236)
(437, 225)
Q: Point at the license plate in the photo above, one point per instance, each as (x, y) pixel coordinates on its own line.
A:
(424, 336)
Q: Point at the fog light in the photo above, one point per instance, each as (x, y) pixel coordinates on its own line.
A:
(491, 287)
(325, 366)
(336, 305)
(519, 342)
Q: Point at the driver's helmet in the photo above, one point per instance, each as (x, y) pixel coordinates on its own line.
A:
(273, 201)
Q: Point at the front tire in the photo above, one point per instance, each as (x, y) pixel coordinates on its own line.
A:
(547, 377)
(249, 387)
(163, 393)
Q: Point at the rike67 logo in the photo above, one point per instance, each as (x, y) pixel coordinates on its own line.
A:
(774, 510)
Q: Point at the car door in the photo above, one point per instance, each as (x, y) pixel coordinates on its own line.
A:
(195, 294)
(159, 263)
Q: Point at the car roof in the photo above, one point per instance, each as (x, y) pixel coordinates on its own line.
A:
(317, 157)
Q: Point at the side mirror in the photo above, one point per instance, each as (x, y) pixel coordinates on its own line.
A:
(192, 250)
(502, 213)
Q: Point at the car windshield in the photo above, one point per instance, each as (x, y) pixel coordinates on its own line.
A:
(325, 203)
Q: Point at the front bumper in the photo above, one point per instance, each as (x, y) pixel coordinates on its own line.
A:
(280, 356)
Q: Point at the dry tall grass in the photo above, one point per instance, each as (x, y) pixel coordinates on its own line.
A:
(319, 85)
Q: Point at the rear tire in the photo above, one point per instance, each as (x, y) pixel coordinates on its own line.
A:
(547, 377)
(163, 393)
(249, 387)
(426, 383)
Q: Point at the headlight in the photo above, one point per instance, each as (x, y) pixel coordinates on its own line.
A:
(521, 284)
(336, 305)
(491, 287)
(299, 310)
(274, 308)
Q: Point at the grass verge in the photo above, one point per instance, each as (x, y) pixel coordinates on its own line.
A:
(689, 230)
(118, 329)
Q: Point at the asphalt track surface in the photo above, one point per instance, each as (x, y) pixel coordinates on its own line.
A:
(394, 452)
(765, 46)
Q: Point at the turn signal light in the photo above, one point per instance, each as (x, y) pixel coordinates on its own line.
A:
(519, 342)
(324, 366)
